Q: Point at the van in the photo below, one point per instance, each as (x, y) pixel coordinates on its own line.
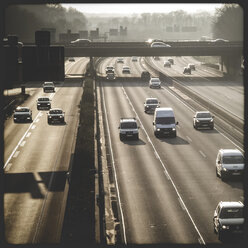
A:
(164, 122)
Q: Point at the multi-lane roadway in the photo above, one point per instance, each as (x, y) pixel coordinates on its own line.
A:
(166, 188)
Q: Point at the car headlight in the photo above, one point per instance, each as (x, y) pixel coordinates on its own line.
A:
(211, 120)
(61, 116)
(224, 169)
(173, 129)
(158, 129)
(197, 120)
(49, 116)
(38, 103)
(225, 227)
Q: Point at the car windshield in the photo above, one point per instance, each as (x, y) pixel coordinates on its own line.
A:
(155, 80)
(203, 115)
(238, 159)
(128, 125)
(48, 84)
(22, 110)
(152, 101)
(165, 120)
(229, 213)
(43, 99)
(56, 111)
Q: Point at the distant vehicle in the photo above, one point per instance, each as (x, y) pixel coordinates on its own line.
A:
(109, 68)
(150, 41)
(151, 104)
(220, 40)
(145, 75)
(126, 69)
(164, 122)
(229, 162)
(43, 103)
(229, 219)
(22, 114)
(134, 59)
(167, 64)
(55, 115)
(81, 42)
(186, 70)
(128, 128)
(155, 82)
(110, 76)
(156, 58)
(159, 44)
(203, 119)
(120, 60)
(171, 60)
(191, 66)
(71, 59)
(48, 87)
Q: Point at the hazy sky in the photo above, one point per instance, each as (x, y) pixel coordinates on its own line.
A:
(130, 8)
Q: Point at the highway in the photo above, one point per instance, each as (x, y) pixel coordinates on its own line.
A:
(37, 157)
(168, 187)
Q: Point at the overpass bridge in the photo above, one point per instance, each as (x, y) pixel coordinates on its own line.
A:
(230, 52)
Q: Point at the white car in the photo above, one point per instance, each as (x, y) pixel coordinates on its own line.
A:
(128, 128)
(159, 44)
(109, 68)
(120, 60)
(155, 82)
(55, 115)
(126, 69)
(191, 66)
(229, 162)
(134, 59)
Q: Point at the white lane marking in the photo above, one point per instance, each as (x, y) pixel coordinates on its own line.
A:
(37, 120)
(181, 203)
(20, 141)
(188, 138)
(202, 153)
(8, 166)
(16, 154)
(28, 134)
(33, 127)
(113, 165)
(167, 174)
(23, 143)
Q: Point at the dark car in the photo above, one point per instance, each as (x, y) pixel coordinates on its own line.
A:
(186, 70)
(228, 219)
(145, 75)
(55, 115)
(43, 103)
(22, 114)
(203, 119)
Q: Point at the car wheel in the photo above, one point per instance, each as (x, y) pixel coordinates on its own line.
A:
(137, 136)
(222, 176)
(174, 135)
(121, 137)
(217, 172)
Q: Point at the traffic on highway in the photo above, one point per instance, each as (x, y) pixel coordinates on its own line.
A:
(176, 163)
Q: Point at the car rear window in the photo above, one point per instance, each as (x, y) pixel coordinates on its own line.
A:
(233, 159)
(229, 213)
(127, 125)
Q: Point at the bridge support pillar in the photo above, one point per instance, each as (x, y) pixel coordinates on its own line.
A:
(230, 64)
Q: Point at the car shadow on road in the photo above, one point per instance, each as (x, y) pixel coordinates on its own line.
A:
(134, 142)
(174, 141)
